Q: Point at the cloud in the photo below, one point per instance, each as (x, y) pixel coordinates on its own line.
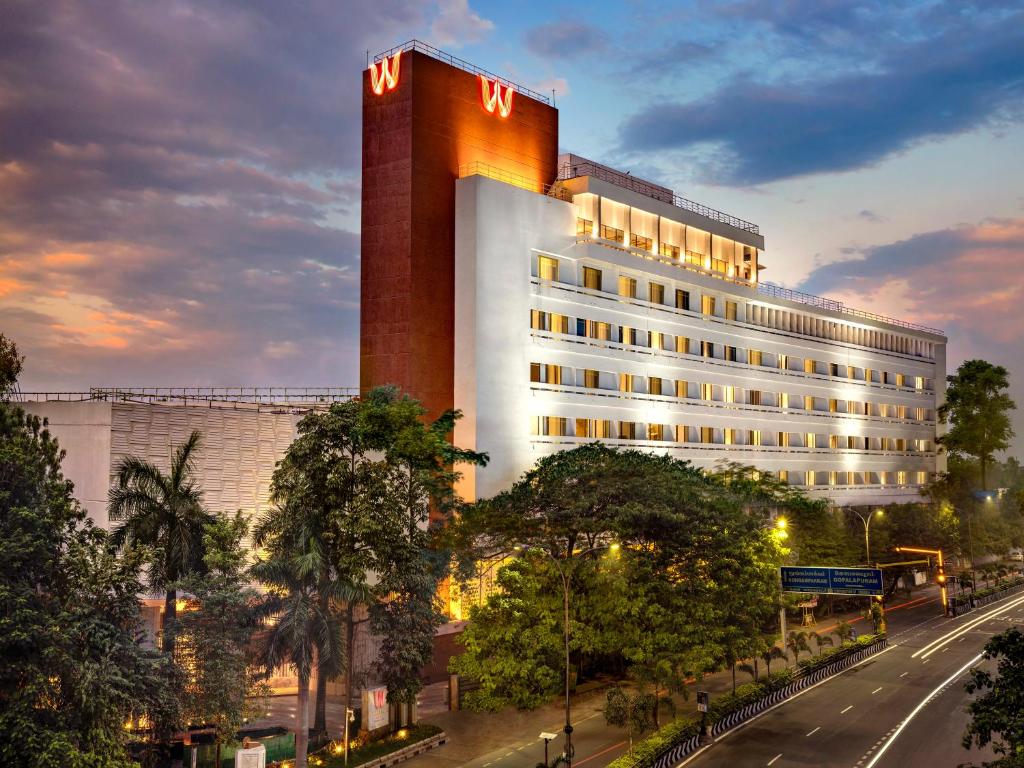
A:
(869, 215)
(967, 75)
(177, 188)
(964, 280)
(565, 40)
(457, 24)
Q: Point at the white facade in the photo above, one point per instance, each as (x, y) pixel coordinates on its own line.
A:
(588, 315)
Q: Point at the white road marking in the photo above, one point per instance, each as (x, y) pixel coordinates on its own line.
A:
(846, 710)
(926, 661)
(950, 636)
(814, 731)
(876, 690)
(904, 674)
(775, 758)
(919, 707)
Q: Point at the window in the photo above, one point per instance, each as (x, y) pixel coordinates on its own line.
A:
(627, 287)
(593, 428)
(783, 400)
(593, 329)
(919, 384)
(548, 321)
(901, 477)
(547, 268)
(549, 425)
(670, 251)
(809, 366)
(730, 354)
(730, 436)
(920, 414)
(833, 477)
(901, 380)
(682, 434)
(808, 402)
(754, 357)
(809, 441)
(730, 310)
(545, 374)
(654, 385)
(754, 396)
(682, 300)
(657, 340)
(625, 382)
(784, 475)
(922, 478)
(655, 431)
(707, 435)
(627, 335)
(682, 345)
(584, 226)
(901, 411)
(729, 393)
(707, 305)
(809, 477)
(682, 388)
(783, 362)
(833, 442)
(627, 430)
(656, 293)
(719, 265)
(592, 278)
(639, 241)
(707, 349)
(707, 392)
(591, 379)
(611, 233)
(697, 259)
(833, 405)
(583, 425)
(754, 437)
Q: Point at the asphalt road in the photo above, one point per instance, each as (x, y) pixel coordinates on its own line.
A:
(901, 707)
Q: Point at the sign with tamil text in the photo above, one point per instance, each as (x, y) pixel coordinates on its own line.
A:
(831, 581)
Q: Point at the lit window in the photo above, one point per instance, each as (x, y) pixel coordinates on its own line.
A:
(809, 366)
(682, 434)
(754, 357)
(730, 354)
(584, 226)
(655, 432)
(627, 430)
(627, 335)
(547, 268)
(657, 340)
(707, 435)
(783, 400)
(901, 380)
(549, 425)
(707, 304)
(545, 374)
(611, 233)
(754, 437)
(591, 379)
(682, 388)
(707, 349)
(682, 300)
(593, 329)
(729, 435)
(718, 265)
(754, 396)
(809, 477)
(627, 287)
(919, 382)
(625, 382)
(833, 405)
(783, 362)
(697, 259)
(730, 310)
(670, 251)
(707, 392)
(901, 477)
(784, 475)
(656, 293)
(833, 441)
(729, 393)
(808, 402)
(592, 278)
(809, 440)
(654, 385)
(639, 241)
(682, 345)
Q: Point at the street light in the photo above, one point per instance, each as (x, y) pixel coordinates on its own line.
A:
(566, 574)
(867, 536)
(940, 574)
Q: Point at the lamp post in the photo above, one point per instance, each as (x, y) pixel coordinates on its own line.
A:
(867, 528)
(566, 573)
(781, 533)
(940, 575)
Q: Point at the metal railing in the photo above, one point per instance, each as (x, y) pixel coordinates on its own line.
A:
(455, 61)
(477, 168)
(270, 397)
(779, 292)
(581, 166)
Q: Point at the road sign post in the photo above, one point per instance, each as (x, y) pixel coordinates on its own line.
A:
(831, 581)
(703, 699)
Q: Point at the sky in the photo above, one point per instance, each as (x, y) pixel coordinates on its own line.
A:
(179, 181)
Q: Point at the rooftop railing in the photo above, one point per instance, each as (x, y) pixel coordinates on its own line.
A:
(455, 61)
(477, 168)
(254, 397)
(779, 292)
(580, 166)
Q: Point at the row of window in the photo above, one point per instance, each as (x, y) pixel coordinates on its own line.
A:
(547, 373)
(622, 334)
(629, 286)
(585, 227)
(679, 433)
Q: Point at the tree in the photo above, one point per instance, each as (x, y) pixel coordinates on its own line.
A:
(772, 654)
(977, 409)
(223, 685)
(997, 715)
(165, 513)
(11, 362)
(71, 669)
(797, 642)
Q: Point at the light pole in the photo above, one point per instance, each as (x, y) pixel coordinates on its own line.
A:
(781, 533)
(867, 529)
(566, 574)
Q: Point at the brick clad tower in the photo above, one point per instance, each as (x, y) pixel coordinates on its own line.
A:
(417, 133)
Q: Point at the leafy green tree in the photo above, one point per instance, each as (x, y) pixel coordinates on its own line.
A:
(71, 669)
(977, 409)
(997, 714)
(636, 712)
(772, 654)
(163, 512)
(11, 362)
(223, 684)
(796, 642)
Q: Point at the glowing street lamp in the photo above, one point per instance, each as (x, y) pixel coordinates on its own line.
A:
(867, 526)
(939, 577)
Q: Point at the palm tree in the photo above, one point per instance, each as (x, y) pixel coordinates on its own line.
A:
(796, 642)
(771, 655)
(845, 631)
(303, 633)
(164, 512)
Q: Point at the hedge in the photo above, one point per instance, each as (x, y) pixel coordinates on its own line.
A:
(645, 753)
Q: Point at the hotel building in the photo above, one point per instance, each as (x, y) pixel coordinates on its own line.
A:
(556, 301)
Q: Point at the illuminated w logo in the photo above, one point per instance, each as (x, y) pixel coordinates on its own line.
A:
(384, 77)
(380, 696)
(496, 96)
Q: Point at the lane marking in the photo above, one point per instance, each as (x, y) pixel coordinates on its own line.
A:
(846, 710)
(904, 674)
(934, 645)
(814, 731)
(919, 707)
(876, 690)
(775, 758)
(598, 754)
(926, 661)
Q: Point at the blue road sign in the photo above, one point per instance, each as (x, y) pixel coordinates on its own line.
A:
(832, 581)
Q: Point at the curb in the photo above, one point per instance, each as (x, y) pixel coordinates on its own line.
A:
(405, 753)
